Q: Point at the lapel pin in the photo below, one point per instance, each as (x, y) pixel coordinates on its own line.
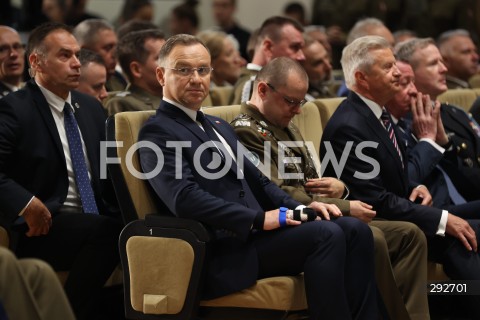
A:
(77, 105)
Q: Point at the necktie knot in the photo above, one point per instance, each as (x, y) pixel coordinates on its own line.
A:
(200, 117)
(67, 108)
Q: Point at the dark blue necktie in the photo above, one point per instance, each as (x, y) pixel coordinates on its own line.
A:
(78, 161)
(209, 131)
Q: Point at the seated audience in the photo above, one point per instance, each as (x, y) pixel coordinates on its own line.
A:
(245, 210)
(184, 18)
(224, 14)
(428, 146)
(226, 60)
(98, 35)
(51, 196)
(375, 165)
(93, 74)
(138, 54)
(12, 61)
(278, 37)
(29, 289)
(460, 57)
(266, 118)
(430, 78)
(318, 68)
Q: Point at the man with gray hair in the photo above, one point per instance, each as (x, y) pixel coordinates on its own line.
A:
(460, 57)
(375, 166)
(430, 78)
(366, 27)
(99, 36)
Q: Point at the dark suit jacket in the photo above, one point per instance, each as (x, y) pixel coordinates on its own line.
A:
(465, 173)
(32, 162)
(4, 90)
(228, 205)
(353, 124)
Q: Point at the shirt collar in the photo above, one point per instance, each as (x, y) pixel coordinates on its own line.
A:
(253, 66)
(190, 113)
(375, 107)
(55, 101)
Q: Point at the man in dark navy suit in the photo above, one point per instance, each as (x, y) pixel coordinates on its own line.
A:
(253, 238)
(376, 167)
(464, 133)
(428, 145)
(50, 187)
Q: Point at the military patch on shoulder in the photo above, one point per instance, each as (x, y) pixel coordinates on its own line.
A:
(242, 123)
(253, 158)
(122, 94)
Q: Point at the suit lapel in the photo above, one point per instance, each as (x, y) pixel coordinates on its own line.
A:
(193, 127)
(46, 114)
(378, 130)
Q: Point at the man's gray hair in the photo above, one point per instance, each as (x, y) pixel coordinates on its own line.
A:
(357, 56)
(405, 50)
(86, 31)
(362, 28)
(443, 40)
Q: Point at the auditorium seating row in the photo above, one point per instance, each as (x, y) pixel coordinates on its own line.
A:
(162, 257)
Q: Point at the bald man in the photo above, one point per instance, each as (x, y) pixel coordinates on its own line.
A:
(12, 61)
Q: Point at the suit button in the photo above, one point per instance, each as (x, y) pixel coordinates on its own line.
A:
(241, 194)
(463, 146)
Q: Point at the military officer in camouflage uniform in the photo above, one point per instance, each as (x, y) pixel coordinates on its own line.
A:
(400, 247)
(138, 54)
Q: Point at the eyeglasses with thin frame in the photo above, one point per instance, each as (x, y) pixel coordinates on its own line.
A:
(6, 49)
(188, 72)
(292, 103)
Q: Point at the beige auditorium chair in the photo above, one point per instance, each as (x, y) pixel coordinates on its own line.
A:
(163, 256)
(327, 107)
(462, 98)
(221, 95)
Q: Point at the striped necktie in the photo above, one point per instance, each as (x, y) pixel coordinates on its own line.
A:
(387, 122)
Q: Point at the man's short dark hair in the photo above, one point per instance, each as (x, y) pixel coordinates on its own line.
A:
(132, 48)
(38, 35)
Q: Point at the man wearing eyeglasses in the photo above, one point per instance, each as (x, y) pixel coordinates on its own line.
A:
(12, 61)
(277, 97)
(253, 236)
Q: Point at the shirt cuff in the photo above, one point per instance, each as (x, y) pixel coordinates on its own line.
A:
(442, 225)
(25, 208)
(299, 207)
(434, 144)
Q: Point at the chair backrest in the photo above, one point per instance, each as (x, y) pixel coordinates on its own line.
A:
(227, 113)
(134, 194)
(4, 239)
(462, 98)
(221, 95)
(327, 107)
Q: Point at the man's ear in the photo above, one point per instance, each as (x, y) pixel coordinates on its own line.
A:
(161, 76)
(135, 69)
(361, 79)
(267, 45)
(262, 89)
(34, 61)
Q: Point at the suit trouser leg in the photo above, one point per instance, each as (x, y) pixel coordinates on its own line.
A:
(86, 245)
(458, 262)
(320, 250)
(31, 289)
(406, 269)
